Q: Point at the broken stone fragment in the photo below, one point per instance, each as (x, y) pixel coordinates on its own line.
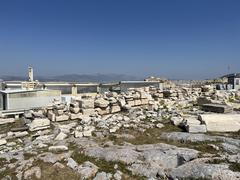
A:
(6, 121)
(159, 125)
(130, 103)
(118, 175)
(176, 120)
(86, 103)
(63, 117)
(87, 133)
(103, 111)
(102, 103)
(33, 172)
(78, 134)
(39, 124)
(87, 170)
(11, 135)
(103, 176)
(72, 164)
(74, 110)
(61, 136)
(115, 109)
(88, 112)
(121, 102)
(137, 102)
(191, 121)
(3, 142)
(51, 116)
(75, 116)
(114, 129)
(58, 148)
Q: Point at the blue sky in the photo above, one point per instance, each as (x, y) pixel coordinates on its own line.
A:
(181, 39)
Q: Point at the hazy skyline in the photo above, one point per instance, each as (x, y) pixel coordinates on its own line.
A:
(177, 39)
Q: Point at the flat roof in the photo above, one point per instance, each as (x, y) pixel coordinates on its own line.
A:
(11, 91)
(236, 75)
(136, 82)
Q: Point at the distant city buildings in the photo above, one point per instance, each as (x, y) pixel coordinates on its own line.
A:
(234, 80)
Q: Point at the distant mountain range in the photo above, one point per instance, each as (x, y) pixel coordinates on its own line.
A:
(76, 78)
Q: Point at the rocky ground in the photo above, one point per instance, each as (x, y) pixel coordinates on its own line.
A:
(170, 139)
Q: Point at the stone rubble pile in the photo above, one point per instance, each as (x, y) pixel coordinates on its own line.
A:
(53, 131)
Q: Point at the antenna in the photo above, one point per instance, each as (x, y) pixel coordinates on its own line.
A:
(229, 69)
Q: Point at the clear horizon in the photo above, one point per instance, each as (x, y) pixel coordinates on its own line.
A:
(173, 39)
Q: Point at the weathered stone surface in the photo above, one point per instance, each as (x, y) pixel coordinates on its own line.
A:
(115, 109)
(122, 102)
(118, 175)
(3, 142)
(51, 116)
(87, 170)
(102, 111)
(52, 158)
(221, 122)
(39, 124)
(113, 129)
(86, 103)
(61, 136)
(159, 125)
(6, 121)
(59, 165)
(76, 116)
(152, 170)
(33, 172)
(74, 110)
(78, 134)
(191, 121)
(87, 133)
(153, 161)
(230, 148)
(58, 148)
(88, 112)
(137, 102)
(185, 137)
(11, 135)
(196, 128)
(144, 101)
(166, 155)
(176, 120)
(72, 164)
(28, 115)
(130, 103)
(198, 169)
(126, 155)
(63, 117)
(102, 103)
(102, 176)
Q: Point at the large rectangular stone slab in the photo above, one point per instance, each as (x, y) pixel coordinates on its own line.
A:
(221, 122)
(39, 124)
(7, 121)
(63, 117)
(193, 128)
(216, 108)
